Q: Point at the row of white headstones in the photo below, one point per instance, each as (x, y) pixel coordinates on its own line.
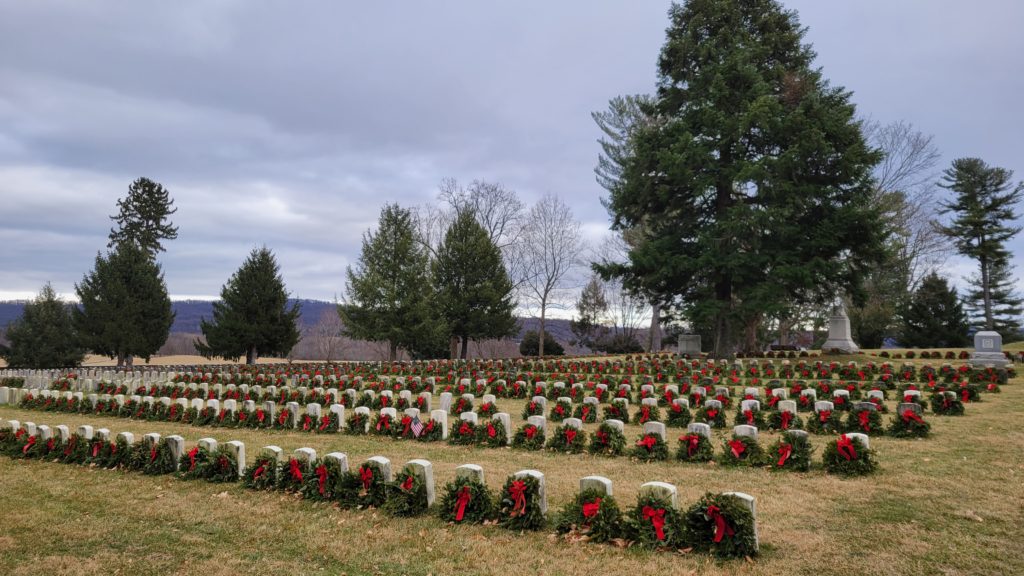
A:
(423, 469)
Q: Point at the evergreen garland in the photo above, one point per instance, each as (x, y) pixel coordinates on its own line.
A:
(479, 502)
(519, 506)
(567, 439)
(695, 447)
(607, 441)
(844, 463)
(650, 448)
(407, 495)
(591, 514)
(790, 452)
(529, 437)
(722, 517)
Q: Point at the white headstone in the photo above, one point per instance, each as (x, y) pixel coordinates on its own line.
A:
(663, 491)
(541, 492)
(425, 471)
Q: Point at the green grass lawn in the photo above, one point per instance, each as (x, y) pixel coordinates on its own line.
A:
(951, 504)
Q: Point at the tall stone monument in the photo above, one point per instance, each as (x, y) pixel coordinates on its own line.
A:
(689, 345)
(839, 336)
(988, 350)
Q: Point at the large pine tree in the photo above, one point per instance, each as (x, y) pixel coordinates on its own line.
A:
(983, 212)
(142, 218)
(473, 290)
(125, 310)
(752, 186)
(252, 317)
(1005, 303)
(389, 292)
(44, 336)
(934, 317)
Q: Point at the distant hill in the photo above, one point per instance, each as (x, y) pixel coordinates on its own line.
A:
(188, 314)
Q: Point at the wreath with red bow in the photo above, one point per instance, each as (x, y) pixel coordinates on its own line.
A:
(714, 417)
(356, 423)
(825, 422)
(586, 413)
(261, 474)
(677, 416)
(848, 456)
(607, 440)
(649, 448)
(519, 505)
(529, 437)
(908, 424)
(560, 411)
(568, 439)
(790, 452)
(491, 433)
(618, 409)
(749, 417)
(363, 487)
(592, 514)
(466, 501)
(654, 523)
(722, 525)
(864, 421)
(406, 495)
(741, 451)
(694, 447)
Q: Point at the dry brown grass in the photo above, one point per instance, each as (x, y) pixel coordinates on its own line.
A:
(952, 504)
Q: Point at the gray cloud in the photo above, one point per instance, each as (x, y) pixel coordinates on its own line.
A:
(291, 124)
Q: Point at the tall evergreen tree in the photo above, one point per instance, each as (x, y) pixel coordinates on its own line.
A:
(389, 290)
(125, 310)
(592, 307)
(983, 210)
(1006, 305)
(752, 187)
(934, 317)
(143, 217)
(44, 336)
(252, 316)
(474, 293)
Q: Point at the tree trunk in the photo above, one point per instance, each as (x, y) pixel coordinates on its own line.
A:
(465, 347)
(655, 332)
(120, 360)
(723, 334)
(751, 333)
(453, 347)
(986, 292)
(392, 351)
(540, 336)
(251, 356)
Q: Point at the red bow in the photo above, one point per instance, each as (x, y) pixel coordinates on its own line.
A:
(787, 417)
(908, 399)
(460, 503)
(260, 415)
(296, 472)
(784, 451)
(647, 442)
(965, 395)
(602, 437)
(152, 454)
(824, 415)
(737, 447)
(321, 472)
(531, 431)
(491, 432)
(259, 471)
(585, 411)
(384, 421)
(31, 442)
(192, 457)
(712, 414)
(749, 415)
(846, 447)
(465, 429)
(722, 528)
(325, 421)
(692, 443)
(517, 491)
(909, 415)
(306, 423)
(865, 420)
(657, 518)
(95, 449)
(590, 509)
(366, 476)
(407, 485)
(283, 417)
(406, 424)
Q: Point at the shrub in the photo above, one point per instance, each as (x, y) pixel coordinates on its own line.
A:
(530, 346)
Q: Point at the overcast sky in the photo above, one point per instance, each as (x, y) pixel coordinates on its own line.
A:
(290, 123)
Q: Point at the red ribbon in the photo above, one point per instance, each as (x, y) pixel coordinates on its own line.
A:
(645, 414)
(465, 429)
(846, 448)
(306, 423)
(692, 443)
(407, 485)
(460, 503)
(517, 491)
(865, 420)
(191, 457)
(31, 442)
(152, 454)
(384, 421)
(366, 476)
(259, 471)
(325, 421)
(784, 452)
(296, 472)
(95, 449)
(570, 435)
(909, 415)
(531, 431)
(965, 395)
(657, 518)
(406, 423)
(602, 437)
(787, 417)
(321, 473)
(585, 411)
(749, 415)
(260, 415)
(824, 415)
(491, 431)
(712, 414)
(722, 528)
(590, 509)
(648, 442)
(737, 447)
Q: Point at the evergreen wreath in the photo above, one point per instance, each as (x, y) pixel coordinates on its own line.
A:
(848, 457)
(160, 460)
(432, 431)
(193, 463)
(694, 447)
(120, 454)
(292, 473)
(864, 420)
(825, 422)
(487, 409)
(741, 451)
(519, 506)
(650, 447)
(722, 525)
(647, 413)
(329, 423)
(591, 514)
(753, 418)
(308, 423)
(467, 501)
(568, 439)
(492, 434)
(586, 413)
(617, 410)
(363, 487)
(560, 411)
(784, 421)
(946, 404)
(285, 420)
(532, 408)
(221, 467)
(529, 437)
(654, 523)
(714, 417)
(459, 406)
(607, 440)
(75, 450)
(462, 433)
(679, 416)
(321, 484)
(383, 425)
(356, 424)
(261, 474)
(406, 495)
(909, 424)
(790, 452)
(203, 417)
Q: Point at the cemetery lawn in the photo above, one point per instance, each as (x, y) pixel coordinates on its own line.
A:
(952, 504)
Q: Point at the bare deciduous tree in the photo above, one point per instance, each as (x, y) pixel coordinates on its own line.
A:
(552, 246)
(327, 336)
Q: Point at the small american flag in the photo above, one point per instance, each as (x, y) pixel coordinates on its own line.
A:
(416, 427)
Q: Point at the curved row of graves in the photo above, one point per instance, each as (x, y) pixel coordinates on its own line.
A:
(720, 524)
